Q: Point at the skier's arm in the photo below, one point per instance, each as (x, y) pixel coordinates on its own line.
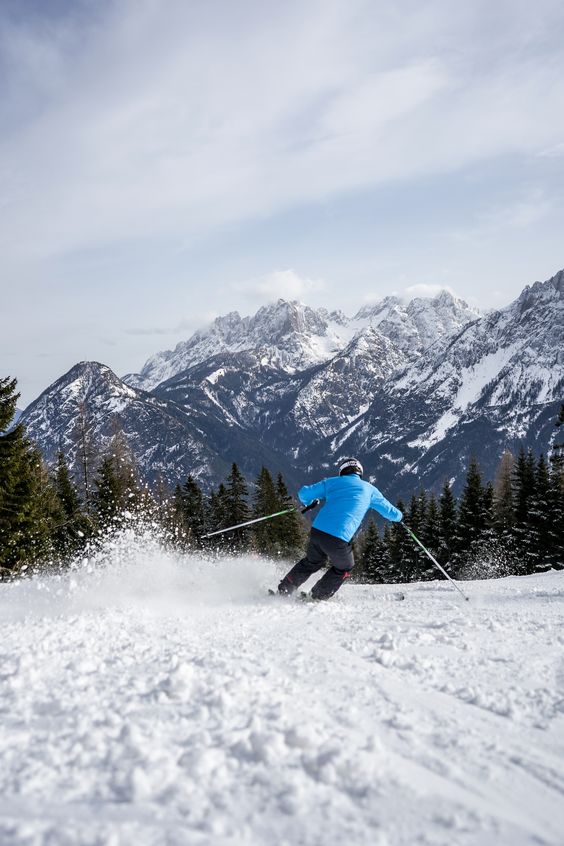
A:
(380, 504)
(310, 492)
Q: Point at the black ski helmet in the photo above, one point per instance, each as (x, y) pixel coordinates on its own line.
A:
(349, 466)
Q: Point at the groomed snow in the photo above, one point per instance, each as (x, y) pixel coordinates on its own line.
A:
(147, 699)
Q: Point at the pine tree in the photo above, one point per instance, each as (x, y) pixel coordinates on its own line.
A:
(24, 501)
(164, 507)
(65, 488)
(290, 527)
(265, 501)
(556, 496)
(73, 527)
(8, 402)
(82, 436)
(218, 518)
(400, 550)
(557, 451)
(540, 518)
(237, 510)
(488, 533)
(126, 469)
(430, 537)
(50, 516)
(447, 526)
(430, 528)
(472, 518)
(503, 503)
(389, 571)
(192, 512)
(414, 559)
(524, 489)
(555, 523)
(116, 483)
(110, 491)
(374, 562)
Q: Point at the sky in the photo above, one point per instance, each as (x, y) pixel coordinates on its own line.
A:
(166, 161)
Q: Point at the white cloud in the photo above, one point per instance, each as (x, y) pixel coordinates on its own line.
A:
(427, 290)
(171, 126)
(286, 284)
(373, 297)
(520, 214)
(182, 327)
(554, 151)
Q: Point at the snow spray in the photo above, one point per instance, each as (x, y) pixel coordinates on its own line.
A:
(133, 566)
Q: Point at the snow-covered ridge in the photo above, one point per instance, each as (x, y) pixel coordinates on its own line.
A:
(90, 404)
(495, 385)
(413, 389)
(294, 336)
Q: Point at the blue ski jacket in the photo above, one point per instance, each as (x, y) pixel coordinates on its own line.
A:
(347, 499)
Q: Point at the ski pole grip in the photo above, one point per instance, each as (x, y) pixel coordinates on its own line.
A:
(313, 504)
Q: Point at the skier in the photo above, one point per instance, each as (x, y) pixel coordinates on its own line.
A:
(347, 499)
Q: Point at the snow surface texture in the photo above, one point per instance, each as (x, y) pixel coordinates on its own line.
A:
(151, 699)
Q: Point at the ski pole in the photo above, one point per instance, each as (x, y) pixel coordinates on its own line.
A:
(434, 560)
(260, 519)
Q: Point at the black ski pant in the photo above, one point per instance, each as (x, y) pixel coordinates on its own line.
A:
(321, 548)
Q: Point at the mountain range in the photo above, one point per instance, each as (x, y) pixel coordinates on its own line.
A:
(413, 389)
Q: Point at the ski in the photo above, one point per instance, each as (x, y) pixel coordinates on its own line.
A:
(307, 597)
(301, 595)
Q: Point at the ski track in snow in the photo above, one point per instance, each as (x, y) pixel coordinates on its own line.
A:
(162, 700)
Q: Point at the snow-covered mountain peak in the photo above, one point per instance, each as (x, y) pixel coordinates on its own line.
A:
(89, 404)
(371, 311)
(505, 370)
(88, 383)
(541, 294)
(290, 336)
(279, 320)
(416, 325)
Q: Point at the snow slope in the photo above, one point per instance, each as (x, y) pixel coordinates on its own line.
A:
(150, 699)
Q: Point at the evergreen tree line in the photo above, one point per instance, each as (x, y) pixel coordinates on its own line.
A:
(193, 515)
(47, 516)
(513, 525)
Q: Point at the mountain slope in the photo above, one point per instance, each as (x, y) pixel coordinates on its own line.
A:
(167, 442)
(91, 401)
(498, 383)
(294, 375)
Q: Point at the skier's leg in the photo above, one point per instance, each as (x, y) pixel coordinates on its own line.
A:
(329, 583)
(342, 560)
(314, 560)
